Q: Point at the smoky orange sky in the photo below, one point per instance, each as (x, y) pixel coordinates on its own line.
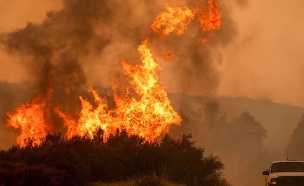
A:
(267, 59)
(264, 60)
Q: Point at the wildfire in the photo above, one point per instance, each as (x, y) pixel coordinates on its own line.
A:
(143, 110)
(30, 118)
(210, 19)
(90, 119)
(152, 113)
(149, 116)
(176, 19)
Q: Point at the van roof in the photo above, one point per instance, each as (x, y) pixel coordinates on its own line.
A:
(281, 161)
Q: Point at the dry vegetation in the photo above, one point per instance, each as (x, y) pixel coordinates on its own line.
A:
(83, 161)
(131, 183)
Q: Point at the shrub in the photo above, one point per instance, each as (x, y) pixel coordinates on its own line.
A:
(12, 173)
(81, 160)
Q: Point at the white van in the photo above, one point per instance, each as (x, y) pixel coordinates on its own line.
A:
(285, 173)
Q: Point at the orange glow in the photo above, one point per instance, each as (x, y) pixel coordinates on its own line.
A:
(151, 114)
(148, 116)
(176, 19)
(90, 119)
(210, 18)
(169, 55)
(69, 122)
(30, 118)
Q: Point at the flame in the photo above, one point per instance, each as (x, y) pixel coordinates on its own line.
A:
(149, 116)
(210, 19)
(152, 114)
(176, 19)
(31, 119)
(90, 119)
(69, 122)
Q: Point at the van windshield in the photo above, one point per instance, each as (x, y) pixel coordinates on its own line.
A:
(287, 167)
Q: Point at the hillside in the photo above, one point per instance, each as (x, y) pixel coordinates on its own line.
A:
(237, 147)
(279, 119)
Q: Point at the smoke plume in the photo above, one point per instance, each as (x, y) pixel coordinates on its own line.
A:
(92, 35)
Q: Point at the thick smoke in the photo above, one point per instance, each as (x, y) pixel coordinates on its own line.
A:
(105, 32)
(242, 3)
(56, 52)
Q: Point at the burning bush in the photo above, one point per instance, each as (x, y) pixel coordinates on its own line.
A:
(81, 160)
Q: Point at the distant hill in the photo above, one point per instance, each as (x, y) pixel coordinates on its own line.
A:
(280, 120)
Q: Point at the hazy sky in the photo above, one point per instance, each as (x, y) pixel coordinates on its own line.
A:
(264, 60)
(267, 58)
(15, 14)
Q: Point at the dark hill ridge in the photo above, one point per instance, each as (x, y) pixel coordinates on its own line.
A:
(280, 120)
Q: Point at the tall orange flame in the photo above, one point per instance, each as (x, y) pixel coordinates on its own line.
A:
(149, 116)
(30, 118)
(90, 118)
(152, 114)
